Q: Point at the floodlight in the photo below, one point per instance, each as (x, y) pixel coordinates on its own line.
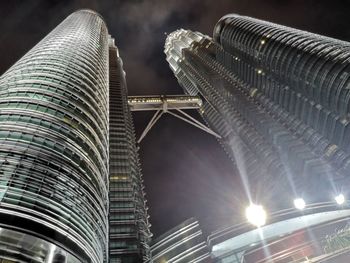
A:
(256, 215)
(299, 203)
(340, 199)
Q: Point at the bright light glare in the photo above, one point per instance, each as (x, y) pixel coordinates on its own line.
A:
(299, 203)
(340, 199)
(256, 215)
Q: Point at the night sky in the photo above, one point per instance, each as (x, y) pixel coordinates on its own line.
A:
(186, 172)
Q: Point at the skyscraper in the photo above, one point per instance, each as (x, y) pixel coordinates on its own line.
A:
(279, 98)
(70, 185)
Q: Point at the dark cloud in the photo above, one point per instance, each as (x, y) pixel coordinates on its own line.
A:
(186, 172)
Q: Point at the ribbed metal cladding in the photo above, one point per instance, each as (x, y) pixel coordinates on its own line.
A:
(306, 74)
(54, 141)
(182, 244)
(129, 233)
(274, 138)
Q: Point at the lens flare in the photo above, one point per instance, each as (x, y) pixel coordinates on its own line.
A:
(256, 215)
(340, 199)
(299, 203)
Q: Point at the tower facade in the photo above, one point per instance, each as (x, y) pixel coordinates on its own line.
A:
(60, 151)
(129, 233)
(279, 98)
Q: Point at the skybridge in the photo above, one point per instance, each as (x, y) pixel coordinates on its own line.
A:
(171, 104)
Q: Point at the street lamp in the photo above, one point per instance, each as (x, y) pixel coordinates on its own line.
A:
(256, 215)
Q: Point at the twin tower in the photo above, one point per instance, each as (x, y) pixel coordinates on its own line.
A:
(70, 182)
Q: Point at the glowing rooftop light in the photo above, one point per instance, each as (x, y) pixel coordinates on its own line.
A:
(340, 199)
(299, 203)
(262, 42)
(256, 215)
(259, 71)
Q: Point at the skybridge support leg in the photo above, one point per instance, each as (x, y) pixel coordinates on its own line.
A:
(187, 118)
(149, 126)
(180, 115)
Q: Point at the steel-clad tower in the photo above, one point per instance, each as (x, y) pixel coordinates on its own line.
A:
(279, 97)
(70, 184)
